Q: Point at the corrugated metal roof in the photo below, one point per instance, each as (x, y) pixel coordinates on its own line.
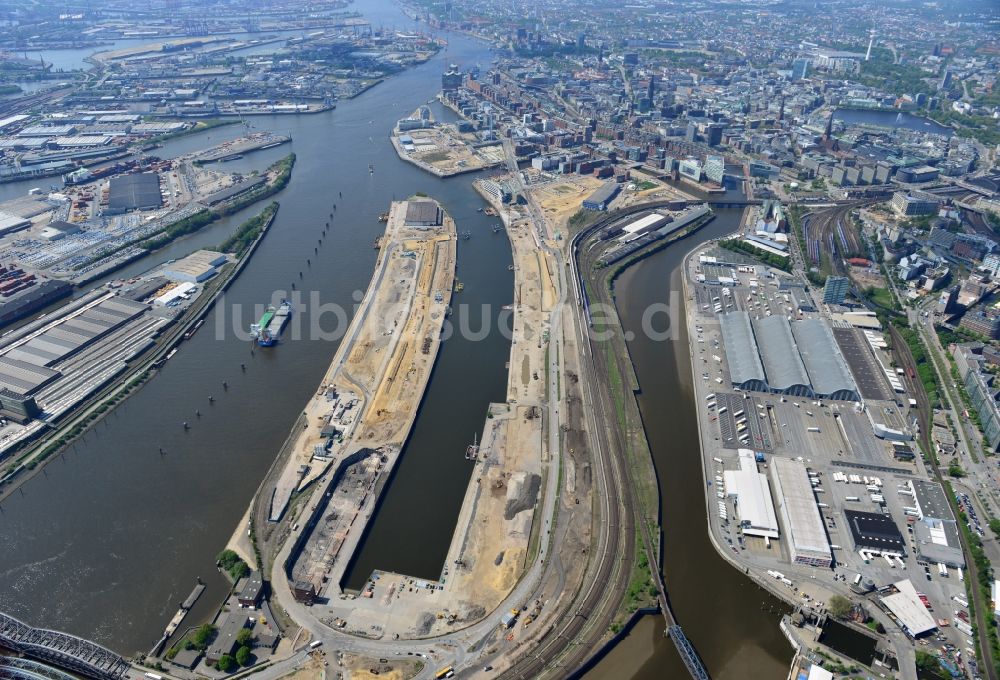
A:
(778, 353)
(741, 348)
(824, 363)
(797, 505)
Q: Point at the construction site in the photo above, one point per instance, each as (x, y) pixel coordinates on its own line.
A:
(356, 424)
(381, 371)
(443, 149)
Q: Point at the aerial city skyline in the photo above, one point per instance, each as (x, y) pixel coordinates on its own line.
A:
(440, 338)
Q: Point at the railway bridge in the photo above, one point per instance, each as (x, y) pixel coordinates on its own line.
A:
(62, 650)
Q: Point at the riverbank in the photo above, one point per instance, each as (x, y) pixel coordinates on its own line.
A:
(364, 408)
(31, 462)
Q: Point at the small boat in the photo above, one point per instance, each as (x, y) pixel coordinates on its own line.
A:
(479, 209)
(371, 169)
(459, 286)
(383, 217)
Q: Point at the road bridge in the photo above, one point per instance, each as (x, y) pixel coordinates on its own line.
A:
(63, 650)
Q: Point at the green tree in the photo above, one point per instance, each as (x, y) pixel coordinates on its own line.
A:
(840, 606)
(995, 526)
(225, 663)
(927, 661)
(243, 656)
(203, 636)
(243, 637)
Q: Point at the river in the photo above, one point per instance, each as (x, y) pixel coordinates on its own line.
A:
(111, 537)
(892, 119)
(731, 622)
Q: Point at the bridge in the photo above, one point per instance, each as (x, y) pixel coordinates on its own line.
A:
(63, 650)
(688, 655)
(18, 668)
(684, 647)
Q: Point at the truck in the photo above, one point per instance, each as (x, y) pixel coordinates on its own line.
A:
(315, 643)
(509, 619)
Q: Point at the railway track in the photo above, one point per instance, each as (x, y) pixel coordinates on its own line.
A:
(571, 644)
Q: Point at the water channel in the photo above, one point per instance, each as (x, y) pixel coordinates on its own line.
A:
(112, 535)
(730, 620)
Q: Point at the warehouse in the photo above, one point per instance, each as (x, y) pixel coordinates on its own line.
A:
(807, 540)
(422, 214)
(772, 355)
(875, 532)
(753, 497)
(782, 364)
(73, 334)
(637, 228)
(140, 191)
(827, 370)
(745, 369)
(10, 223)
(935, 536)
(909, 611)
(21, 377)
(196, 267)
(600, 199)
(175, 294)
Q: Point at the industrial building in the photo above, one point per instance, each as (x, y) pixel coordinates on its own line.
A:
(140, 191)
(422, 214)
(935, 535)
(602, 197)
(745, 370)
(75, 332)
(48, 367)
(800, 358)
(910, 612)
(10, 223)
(753, 497)
(875, 532)
(828, 373)
(835, 289)
(641, 226)
(806, 535)
(175, 294)
(784, 368)
(196, 267)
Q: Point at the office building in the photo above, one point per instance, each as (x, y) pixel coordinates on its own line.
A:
(800, 68)
(835, 289)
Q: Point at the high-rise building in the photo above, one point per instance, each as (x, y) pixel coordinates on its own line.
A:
(713, 135)
(835, 289)
(800, 68)
(691, 134)
(651, 90)
(715, 168)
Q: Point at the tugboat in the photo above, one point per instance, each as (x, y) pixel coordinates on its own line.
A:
(472, 450)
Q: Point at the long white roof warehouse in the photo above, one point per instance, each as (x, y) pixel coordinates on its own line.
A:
(637, 228)
(807, 541)
(909, 610)
(753, 497)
